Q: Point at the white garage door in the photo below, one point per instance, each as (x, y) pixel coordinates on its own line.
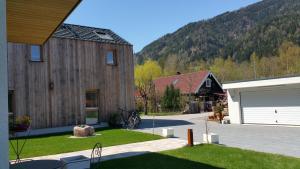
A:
(271, 107)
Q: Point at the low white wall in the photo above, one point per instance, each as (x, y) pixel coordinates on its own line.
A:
(3, 89)
(234, 106)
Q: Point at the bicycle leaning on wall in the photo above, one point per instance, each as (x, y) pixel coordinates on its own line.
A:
(130, 119)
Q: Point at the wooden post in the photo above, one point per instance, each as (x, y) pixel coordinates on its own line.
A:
(190, 138)
(3, 89)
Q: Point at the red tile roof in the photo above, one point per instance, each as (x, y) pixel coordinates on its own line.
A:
(187, 83)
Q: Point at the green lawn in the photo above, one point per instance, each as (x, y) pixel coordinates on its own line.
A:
(205, 157)
(61, 143)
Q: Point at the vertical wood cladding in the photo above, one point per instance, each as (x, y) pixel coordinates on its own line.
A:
(70, 67)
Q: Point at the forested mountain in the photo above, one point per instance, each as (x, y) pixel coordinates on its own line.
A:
(260, 28)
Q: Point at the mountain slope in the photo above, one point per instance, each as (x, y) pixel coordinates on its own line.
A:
(259, 28)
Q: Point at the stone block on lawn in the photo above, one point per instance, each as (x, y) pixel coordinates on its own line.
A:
(83, 131)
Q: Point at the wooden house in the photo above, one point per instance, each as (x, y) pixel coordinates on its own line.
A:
(80, 75)
(202, 86)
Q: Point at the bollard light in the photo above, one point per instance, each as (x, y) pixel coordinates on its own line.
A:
(190, 138)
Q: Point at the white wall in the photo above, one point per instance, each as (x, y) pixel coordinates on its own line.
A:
(234, 106)
(3, 89)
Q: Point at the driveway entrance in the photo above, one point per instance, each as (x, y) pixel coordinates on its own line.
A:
(272, 139)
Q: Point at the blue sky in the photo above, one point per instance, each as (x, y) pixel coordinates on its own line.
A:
(142, 21)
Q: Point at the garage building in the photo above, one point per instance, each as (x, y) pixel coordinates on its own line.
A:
(268, 101)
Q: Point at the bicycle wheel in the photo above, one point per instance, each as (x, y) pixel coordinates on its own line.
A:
(137, 122)
(131, 123)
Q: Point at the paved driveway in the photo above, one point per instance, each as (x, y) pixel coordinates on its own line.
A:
(273, 139)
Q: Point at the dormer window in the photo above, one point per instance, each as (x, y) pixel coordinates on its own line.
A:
(208, 82)
(103, 35)
(111, 58)
(175, 81)
(35, 53)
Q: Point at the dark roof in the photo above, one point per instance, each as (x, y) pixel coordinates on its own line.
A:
(71, 31)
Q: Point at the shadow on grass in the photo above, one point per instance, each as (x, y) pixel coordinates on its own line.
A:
(154, 161)
(148, 123)
(60, 133)
(123, 155)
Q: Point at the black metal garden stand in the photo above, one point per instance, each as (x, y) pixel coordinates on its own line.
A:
(19, 145)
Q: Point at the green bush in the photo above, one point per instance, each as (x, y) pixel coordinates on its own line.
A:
(114, 120)
(218, 109)
(171, 98)
(218, 112)
(139, 105)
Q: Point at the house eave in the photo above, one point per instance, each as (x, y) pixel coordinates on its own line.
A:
(262, 83)
(34, 21)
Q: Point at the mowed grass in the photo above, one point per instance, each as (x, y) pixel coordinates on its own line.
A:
(205, 157)
(62, 143)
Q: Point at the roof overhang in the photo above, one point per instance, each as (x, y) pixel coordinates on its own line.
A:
(34, 21)
(263, 83)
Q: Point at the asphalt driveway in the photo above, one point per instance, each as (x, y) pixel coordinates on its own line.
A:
(272, 139)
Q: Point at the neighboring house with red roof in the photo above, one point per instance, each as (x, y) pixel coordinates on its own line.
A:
(202, 84)
(196, 83)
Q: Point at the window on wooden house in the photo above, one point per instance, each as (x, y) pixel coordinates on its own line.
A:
(175, 82)
(92, 107)
(35, 53)
(208, 82)
(111, 58)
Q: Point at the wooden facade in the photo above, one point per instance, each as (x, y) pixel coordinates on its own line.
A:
(52, 92)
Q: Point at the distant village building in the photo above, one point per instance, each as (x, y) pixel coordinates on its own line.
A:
(201, 86)
(80, 75)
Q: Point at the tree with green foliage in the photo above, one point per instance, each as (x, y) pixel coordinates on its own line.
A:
(289, 58)
(218, 68)
(171, 98)
(144, 76)
(254, 64)
(226, 69)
